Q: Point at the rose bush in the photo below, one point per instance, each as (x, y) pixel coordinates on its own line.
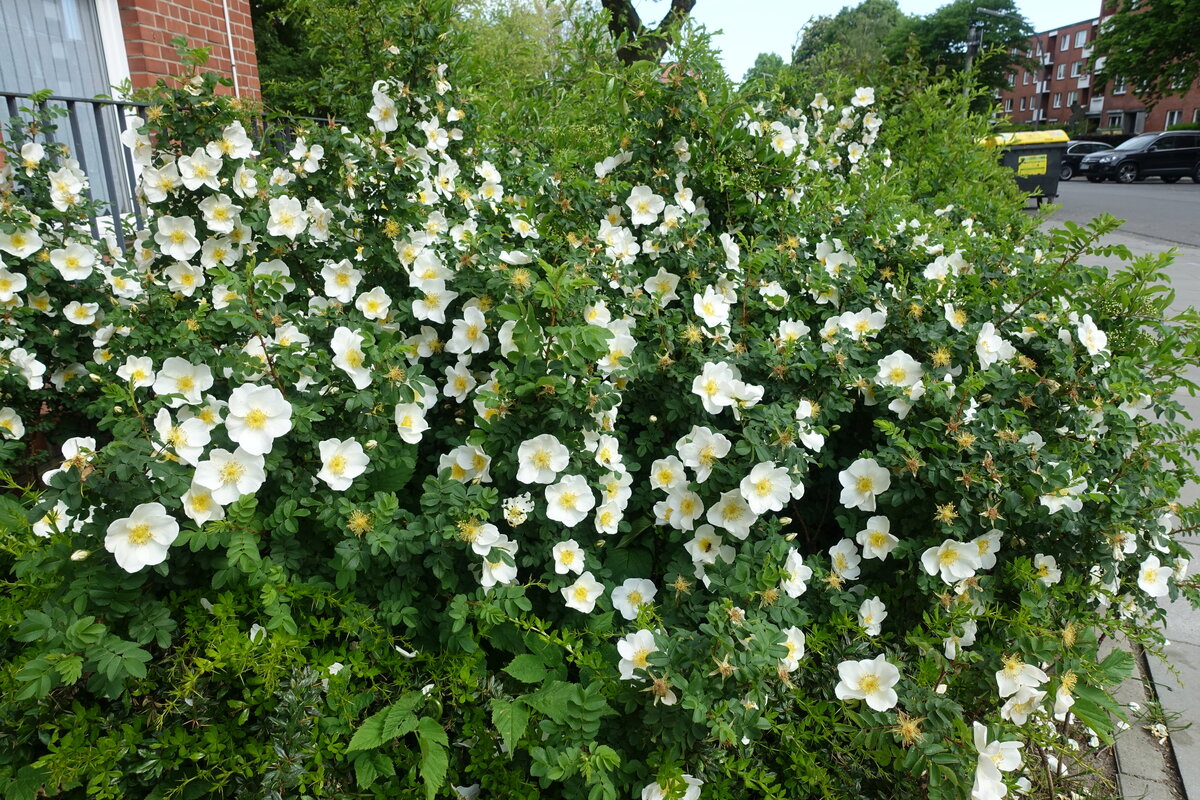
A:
(729, 463)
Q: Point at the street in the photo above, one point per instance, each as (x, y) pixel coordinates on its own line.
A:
(1154, 210)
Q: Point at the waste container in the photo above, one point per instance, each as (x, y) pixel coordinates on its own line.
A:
(1036, 157)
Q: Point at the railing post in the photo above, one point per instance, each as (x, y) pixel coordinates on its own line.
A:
(77, 138)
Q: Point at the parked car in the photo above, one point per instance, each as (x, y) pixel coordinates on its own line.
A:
(1170, 155)
(1074, 154)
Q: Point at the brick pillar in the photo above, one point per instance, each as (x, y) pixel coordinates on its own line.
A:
(149, 26)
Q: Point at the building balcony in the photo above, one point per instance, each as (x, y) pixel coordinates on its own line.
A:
(1047, 59)
(1041, 87)
(1084, 82)
(1096, 105)
(1087, 52)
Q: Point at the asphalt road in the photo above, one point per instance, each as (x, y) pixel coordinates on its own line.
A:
(1152, 209)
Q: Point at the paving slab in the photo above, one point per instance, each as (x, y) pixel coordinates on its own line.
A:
(1141, 789)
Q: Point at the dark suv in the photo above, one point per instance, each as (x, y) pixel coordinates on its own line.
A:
(1171, 156)
(1074, 154)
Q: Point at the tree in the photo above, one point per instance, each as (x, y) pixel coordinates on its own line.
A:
(766, 67)
(940, 39)
(852, 40)
(637, 42)
(315, 56)
(1152, 45)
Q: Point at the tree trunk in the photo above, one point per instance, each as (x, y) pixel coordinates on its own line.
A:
(637, 42)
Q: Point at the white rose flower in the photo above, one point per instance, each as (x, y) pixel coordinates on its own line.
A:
(342, 460)
(181, 377)
(176, 237)
(410, 422)
(631, 595)
(876, 539)
(568, 557)
(348, 356)
(569, 500)
(732, 514)
(766, 488)
(199, 506)
(256, 417)
(871, 614)
(228, 476)
(635, 651)
(583, 593)
(862, 482)
(540, 459)
(288, 217)
(869, 679)
(143, 538)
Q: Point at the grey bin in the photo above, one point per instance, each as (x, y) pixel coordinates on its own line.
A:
(1035, 158)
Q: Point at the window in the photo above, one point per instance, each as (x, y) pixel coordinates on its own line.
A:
(1025, 77)
(1118, 85)
(1039, 50)
(1058, 99)
(1065, 44)
(1062, 71)
(1022, 103)
(1008, 104)
(1081, 38)
(1116, 119)
(1072, 98)
(1173, 117)
(1196, 115)
(1076, 69)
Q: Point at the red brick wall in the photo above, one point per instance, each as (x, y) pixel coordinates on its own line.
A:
(149, 26)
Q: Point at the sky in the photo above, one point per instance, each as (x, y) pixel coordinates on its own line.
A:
(751, 27)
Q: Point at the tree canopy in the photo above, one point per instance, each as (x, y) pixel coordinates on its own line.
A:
(940, 39)
(1152, 45)
(854, 39)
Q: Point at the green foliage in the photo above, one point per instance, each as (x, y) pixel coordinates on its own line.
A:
(1151, 45)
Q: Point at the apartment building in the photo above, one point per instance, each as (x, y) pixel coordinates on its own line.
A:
(1056, 86)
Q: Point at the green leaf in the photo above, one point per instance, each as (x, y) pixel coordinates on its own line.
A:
(510, 719)
(69, 668)
(527, 668)
(243, 551)
(369, 766)
(26, 785)
(551, 699)
(84, 631)
(434, 760)
(119, 659)
(390, 723)
(394, 475)
(1116, 666)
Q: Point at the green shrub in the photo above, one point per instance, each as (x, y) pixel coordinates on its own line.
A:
(722, 369)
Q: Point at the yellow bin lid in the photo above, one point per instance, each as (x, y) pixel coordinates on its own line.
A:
(1026, 137)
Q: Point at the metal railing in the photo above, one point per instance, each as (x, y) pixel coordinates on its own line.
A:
(92, 131)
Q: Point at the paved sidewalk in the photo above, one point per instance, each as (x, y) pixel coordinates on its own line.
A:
(1178, 680)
